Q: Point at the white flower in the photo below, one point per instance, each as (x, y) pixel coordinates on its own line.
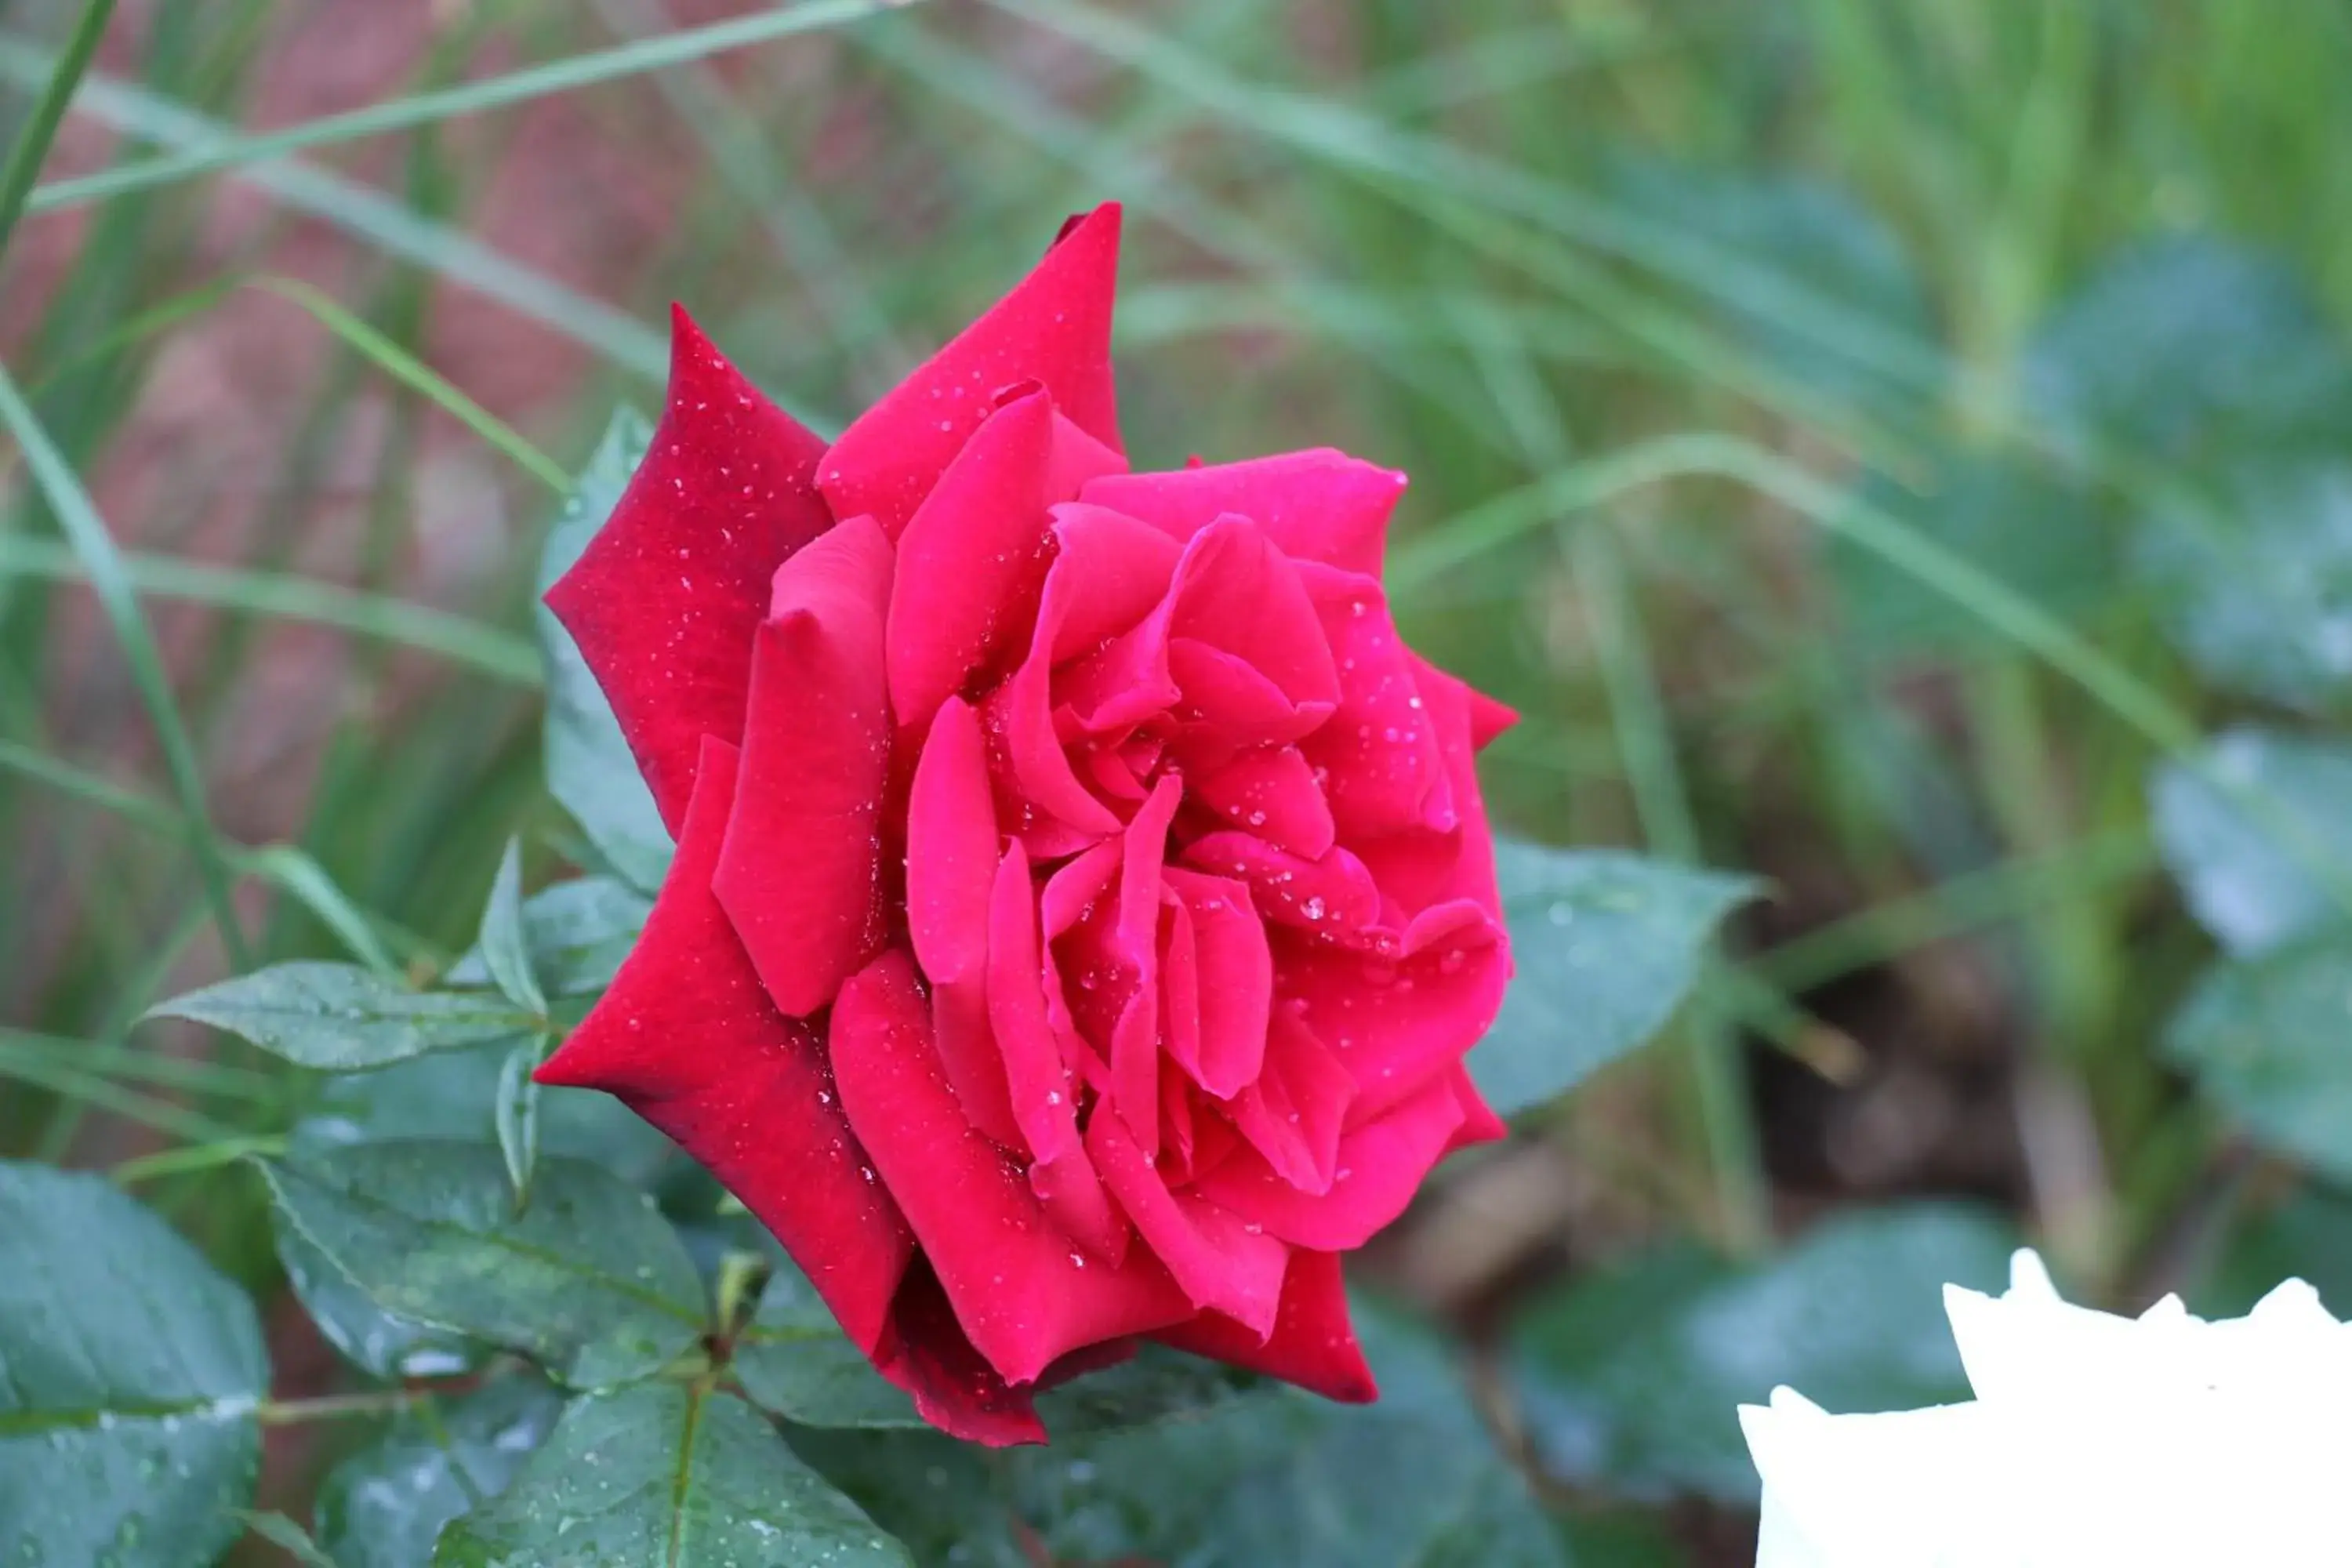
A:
(2160, 1442)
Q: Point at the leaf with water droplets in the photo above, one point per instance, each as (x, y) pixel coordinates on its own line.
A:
(342, 1019)
(577, 932)
(667, 1473)
(589, 770)
(129, 1374)
(386, 1505)
(1278, 1476)
(792, 1359)
(1605, 944)
(504, 943)
(589, 1281)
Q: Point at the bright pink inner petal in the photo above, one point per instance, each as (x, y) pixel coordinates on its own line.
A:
(800, 872)
(1020, 1290)
(1318, 505)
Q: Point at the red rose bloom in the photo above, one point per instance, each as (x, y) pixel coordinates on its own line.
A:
(1082, 901)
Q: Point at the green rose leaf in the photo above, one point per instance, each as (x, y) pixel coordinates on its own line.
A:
(589, 768)
(588, 1280)
(1241, 1480)
(2265, 1039)
(1606, 945)
(792, 1359)
(365, 1334)
(1633, 1376)
(453, 1094)
(340, 1019)
(128, 1375)
(577, 934)
(2256, 580)
(2259, 883)
(505, 942)
(290, 1538)
(665, 1473)
(2183, 348)
(1412, 1481)
(385, 1505)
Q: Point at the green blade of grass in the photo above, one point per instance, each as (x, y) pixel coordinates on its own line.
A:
(287, 867)
(87, 532)
(419, 377)
(32, 144)
(366, 213)
(494, 652)
(628, 59)
(102, 1094)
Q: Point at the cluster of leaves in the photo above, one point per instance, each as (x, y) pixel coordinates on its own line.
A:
(594, 1356)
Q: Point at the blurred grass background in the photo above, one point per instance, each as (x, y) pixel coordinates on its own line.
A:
(1788, 391)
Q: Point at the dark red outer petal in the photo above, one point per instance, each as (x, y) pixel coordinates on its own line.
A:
(687, 1038)
(953, 1386)
(1054, 327)
(1313, 1344)
(664, 600)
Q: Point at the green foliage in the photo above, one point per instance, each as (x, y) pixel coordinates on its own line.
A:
(131, 1374)
(384, 1506)
(342, 1018)
(2031, 319)
(793, 1361)
(2258, 881)
(588, 1280)
(576, 933)
(2265, 1039)
(672, 1474)
(1605, 944)
(1634, 1375)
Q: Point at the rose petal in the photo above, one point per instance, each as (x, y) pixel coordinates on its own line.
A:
(1222, 1262)
(1042, 1088)
(800, 872)
(1023, 1294)
(1380, 756)
(952, 856)
(1379, 1167)
(665, 599)
(1479, 1122)
(1054, 327)
(953, 1388)
(1399, 1018)
(1135, 1036)
(1237, 592)
(689, 1038)
(1331, 898)
(1318, 505)
(1419, 870)
(1270, 792)
(974, 556)
(1216, 982)
(1292, 1114)
(1313, 1344)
